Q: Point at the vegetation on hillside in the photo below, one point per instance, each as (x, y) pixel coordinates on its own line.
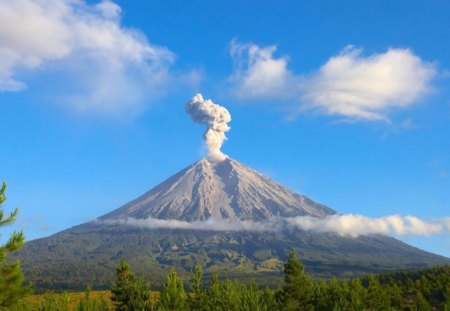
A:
(415, 290)
(87, 254)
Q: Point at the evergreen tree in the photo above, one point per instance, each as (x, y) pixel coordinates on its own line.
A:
(196, 297)
(173, 296)
(129, 293)
(421, 303)
(377, 297)
(251, 298)
(213, 292)
(357, 295)
(395, 294)
(297, 291)
(446, 306)
(11, 275)
(268, 300)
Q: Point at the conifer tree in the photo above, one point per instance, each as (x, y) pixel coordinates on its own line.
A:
(195, 299)
(129, 293)
(421, 303)
(11, 275)
(173, 296)
(213, 292)
(297, 291)
(377, 297)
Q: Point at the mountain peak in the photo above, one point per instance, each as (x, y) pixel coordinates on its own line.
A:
(225, 189)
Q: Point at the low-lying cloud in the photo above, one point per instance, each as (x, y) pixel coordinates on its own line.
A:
(344, 225)
(356, 225)
(350, 84)
(207, 225)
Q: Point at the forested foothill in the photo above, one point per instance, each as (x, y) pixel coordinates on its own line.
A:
(427, 289)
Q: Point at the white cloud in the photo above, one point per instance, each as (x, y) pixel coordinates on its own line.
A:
(356, 225)
(209, 225)
(348, 84)
(345, 225)
(366, 87)
(109, 67)
(257, 74)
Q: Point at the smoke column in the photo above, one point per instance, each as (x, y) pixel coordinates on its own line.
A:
(216, 119)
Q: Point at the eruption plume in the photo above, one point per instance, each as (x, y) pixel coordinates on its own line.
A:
(216, 119)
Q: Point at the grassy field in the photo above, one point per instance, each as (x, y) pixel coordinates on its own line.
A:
(67, 299)
(71, 299)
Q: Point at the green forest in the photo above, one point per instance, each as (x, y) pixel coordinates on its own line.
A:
(427, 289)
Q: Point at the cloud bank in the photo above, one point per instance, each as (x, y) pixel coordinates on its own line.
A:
(344, 225)
(208, 225)
(349, 84)
(356, 225)
(109, 68)
(216, 119)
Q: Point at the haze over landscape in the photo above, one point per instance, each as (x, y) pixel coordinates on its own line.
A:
(337, 118)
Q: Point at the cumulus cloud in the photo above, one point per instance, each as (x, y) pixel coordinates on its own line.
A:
(349, 84)
(216, 119)
(108, 66)
(344, 225)
(257, 74)
(352, 85)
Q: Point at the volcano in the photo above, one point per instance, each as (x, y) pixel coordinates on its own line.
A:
(219, 191)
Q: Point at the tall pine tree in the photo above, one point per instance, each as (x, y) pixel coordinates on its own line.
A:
(11, 276)
(297, 292)
(196, 296)
(173, 296)
(129, 293)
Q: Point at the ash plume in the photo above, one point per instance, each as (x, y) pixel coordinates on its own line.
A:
(216, 118)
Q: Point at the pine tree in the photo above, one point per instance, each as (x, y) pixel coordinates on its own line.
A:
(129, 293)
(11, 276)
(173, 296)
(297, 291)
(421, 303)
(213, 292)
(196, 297)
(377, 297)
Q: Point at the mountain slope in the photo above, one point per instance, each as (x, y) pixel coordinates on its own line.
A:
(219, 190)
(222, 191)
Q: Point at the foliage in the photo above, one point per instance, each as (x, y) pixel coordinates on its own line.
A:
(427, 289)
(240, 255)
(173, 296)
(196, 297)
(129, 293)
(90, 304)
(297, 291)
(11, 275)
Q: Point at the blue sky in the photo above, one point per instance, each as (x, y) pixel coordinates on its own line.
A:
(346, 102)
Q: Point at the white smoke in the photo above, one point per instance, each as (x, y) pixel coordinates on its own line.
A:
(344, 225)
(216, 119)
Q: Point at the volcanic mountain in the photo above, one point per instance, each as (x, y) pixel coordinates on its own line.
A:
(219, 190)
(145, 232)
